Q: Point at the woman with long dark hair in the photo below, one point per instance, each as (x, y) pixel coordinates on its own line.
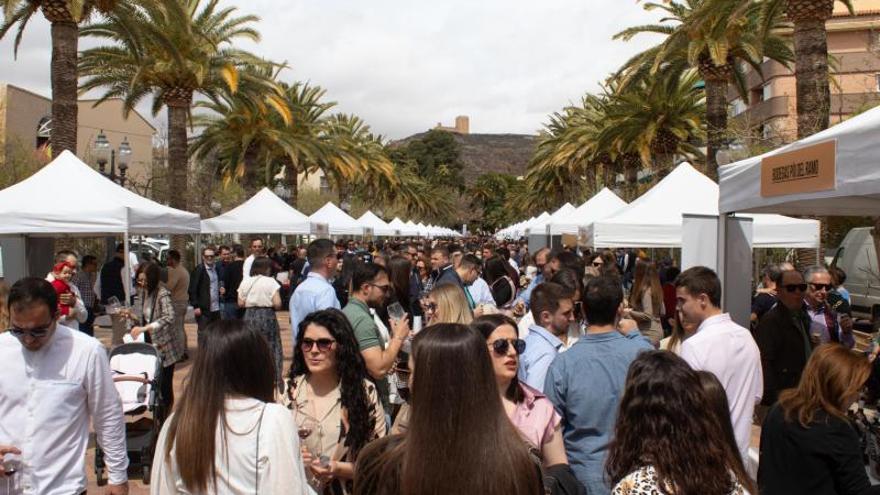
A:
(502, 286)
(666, 440)
(260, 295)
(459, 439)
(646, 301)
(342, 283)
(529, 410)
(400, 275)
(227, 436)
(808, 444)
(337, 409)
(157, 321)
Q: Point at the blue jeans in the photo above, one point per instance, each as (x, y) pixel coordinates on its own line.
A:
(230, 311)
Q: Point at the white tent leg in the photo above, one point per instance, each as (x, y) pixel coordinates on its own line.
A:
(127, 282)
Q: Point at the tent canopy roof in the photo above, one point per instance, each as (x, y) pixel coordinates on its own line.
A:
(603, 204)
(264, 213)
(338, 221)
(69, 197)
(857, 178)
(380, 228)
(655, 219)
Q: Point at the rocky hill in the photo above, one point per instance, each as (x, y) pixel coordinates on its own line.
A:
(482, 153)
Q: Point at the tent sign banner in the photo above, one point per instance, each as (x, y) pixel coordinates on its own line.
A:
(808, 169)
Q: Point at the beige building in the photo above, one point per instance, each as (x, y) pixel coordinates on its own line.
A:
(769, 114)
(462, 125)
(25, 120)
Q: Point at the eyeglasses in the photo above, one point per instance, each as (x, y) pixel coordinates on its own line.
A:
(324, 345)
(598, 264)
(795, 287)
(825, 287)
(208, 256)
(383, 288)
(34, 333)
(431, 307)
(501, 346)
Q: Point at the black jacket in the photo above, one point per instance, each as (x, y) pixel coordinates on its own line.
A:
(232, 276)
(200, 288)
(785, 345)
(111, 280)
(824, 459)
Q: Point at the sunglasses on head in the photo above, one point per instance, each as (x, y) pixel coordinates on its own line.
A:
(795, 287)
(34, 333)
(826, 287)
(324, 345)
(501, 346)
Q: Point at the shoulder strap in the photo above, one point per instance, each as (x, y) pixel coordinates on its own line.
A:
(257, 464)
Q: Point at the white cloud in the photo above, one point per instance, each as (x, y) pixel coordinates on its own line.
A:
(404, 65)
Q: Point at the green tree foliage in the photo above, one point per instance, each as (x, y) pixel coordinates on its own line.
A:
(437, 157)
(492, 193)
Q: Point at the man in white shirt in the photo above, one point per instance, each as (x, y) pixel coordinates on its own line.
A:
(54, 380)
(78, 313)
(722, 347)
(315, 292)
(256, 250)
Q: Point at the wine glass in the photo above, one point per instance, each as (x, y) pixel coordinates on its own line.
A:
(11, 466)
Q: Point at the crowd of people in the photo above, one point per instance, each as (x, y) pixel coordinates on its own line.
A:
(439, 367)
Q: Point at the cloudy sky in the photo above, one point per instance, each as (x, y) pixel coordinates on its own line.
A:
(404, 65)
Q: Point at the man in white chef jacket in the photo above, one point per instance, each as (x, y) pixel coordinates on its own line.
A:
(55, 380)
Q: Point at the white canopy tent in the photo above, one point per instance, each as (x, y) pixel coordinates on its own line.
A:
(853, 188)
(655, 218)
(380, 228)
(264, 213)
(404, 229)
(537, 225)
(338, 221)
(602, 205)
(45, 204)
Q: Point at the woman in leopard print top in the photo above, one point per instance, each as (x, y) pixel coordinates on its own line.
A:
(666, 441)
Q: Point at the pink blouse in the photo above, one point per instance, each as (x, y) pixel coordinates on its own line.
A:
(535, 417)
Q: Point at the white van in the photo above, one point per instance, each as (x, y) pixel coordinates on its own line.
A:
(858, 258)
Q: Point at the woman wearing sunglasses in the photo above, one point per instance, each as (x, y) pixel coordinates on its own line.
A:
(528, 409)
(336, 408)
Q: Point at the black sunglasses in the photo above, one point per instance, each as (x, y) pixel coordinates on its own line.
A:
(383, 288)
(500, 346)
(34, 333)
(324, 345)
(827, 287)
(795, 287)
(597, 264)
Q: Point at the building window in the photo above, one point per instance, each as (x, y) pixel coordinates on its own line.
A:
(737, 107)
(325, 185)
(877, 82)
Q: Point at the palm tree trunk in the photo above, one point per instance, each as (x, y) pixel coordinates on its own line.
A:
(811, 63)
(65, 42)
(631, 165)
(292, 175)
(249, 181)
(178, 164)
(716, 121)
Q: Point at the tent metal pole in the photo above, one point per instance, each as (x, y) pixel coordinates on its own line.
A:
(127, 282)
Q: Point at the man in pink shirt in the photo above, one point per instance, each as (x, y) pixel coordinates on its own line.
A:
(721, 347)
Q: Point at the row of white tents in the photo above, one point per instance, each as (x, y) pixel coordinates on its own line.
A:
(68, 197)
(655, 219)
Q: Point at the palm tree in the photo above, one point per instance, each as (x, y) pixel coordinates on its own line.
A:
(811, 61)
(65, 16)
(713, 36)
(244, 129)
(171, 50)
(655, 119)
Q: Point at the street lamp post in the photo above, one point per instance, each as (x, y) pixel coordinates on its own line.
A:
(103, 153)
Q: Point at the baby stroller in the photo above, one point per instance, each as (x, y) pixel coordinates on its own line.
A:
(137, 368)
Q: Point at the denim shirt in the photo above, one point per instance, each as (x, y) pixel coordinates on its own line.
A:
(585, 384)
(541, 348)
